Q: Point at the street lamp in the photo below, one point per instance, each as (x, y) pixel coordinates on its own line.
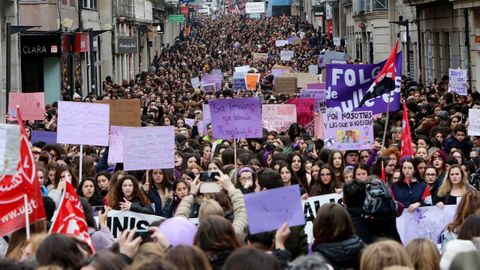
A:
(12, 29)
(405, 23)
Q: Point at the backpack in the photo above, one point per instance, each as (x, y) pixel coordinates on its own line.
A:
(379, 203)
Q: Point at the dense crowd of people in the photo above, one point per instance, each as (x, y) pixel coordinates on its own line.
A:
(444, 171)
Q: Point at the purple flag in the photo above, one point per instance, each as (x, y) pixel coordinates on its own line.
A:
(47, 137)
(347, 84)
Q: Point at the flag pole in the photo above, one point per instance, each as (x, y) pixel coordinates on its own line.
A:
(80, 171)
(27, 217)
(235, 158)
(386, 119)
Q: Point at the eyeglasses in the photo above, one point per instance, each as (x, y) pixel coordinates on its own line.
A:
(430, 174)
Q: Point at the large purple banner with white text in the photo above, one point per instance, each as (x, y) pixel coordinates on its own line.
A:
(347, 84)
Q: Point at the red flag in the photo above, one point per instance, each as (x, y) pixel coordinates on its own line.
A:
(407, 147)
(70, 218)
(14, 189)
(384, 177)
(329, 29)
(385, 81)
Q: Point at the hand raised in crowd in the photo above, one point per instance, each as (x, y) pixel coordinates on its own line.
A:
(195, 185)
(125, 205)
(102, 217)
(159, 238)
(281, 236)
(127, 245)
(225, 182)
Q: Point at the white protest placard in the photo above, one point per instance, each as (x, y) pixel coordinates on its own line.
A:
(207, 117)
(149, 148)
(255, 7)
(458, 81)
(115, 150)
(83, 123)
(245, 68)
(195, 82)
(278, 117)
(337, 41)
(10, 137)
(310, 209)
(286, 55)
(281, 43)
(348, 130)
(118, 221)
(474, 122)
(313, 69)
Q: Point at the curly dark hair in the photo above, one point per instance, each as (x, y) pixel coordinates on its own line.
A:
(118, 195)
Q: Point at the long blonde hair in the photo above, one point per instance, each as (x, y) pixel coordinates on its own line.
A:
(384, 253)
(446, 186)
(424, 254)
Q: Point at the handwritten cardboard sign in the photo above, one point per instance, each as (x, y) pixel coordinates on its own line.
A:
(124, 112)
(149, 148)
(83, 123)
(348, 130)
(236, 118)
(286, 85)
(32, 105)
(278, 117)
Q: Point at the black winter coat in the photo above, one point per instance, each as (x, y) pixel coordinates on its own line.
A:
(342, 254)
(370, 230)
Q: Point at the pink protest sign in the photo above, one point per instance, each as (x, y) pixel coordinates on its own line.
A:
(278, 117)
(32, 105)
(305, 110)
(236, 118)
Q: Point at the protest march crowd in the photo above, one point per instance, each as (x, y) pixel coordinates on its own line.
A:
(198, 214)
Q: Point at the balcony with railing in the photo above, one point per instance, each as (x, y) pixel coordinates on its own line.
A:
(367, 6)
(135, 10)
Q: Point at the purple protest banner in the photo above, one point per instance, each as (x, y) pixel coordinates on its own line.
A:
(47, 137)
(268, 210)
(348, 130)
(319, 95)
(236, 118)
(347, 84)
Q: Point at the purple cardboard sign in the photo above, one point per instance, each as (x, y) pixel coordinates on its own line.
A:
(348, 130)
(347, 85)
(319, 95)
(215, 79)
(47, 137)
(236, 118)
(268, 210)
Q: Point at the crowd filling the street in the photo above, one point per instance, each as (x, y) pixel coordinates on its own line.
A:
(248, 144)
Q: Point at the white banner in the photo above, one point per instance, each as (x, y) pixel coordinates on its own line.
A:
(255, 7)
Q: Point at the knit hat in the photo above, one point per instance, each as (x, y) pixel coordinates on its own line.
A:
(102, 239)
(76, 95)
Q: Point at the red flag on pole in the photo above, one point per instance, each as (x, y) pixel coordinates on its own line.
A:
(384, 177)
(385, 80)
(70, 218)
(20, 193)
(407, 147)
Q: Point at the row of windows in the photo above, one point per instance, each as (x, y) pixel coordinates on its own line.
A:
(90, 4)
(360, 6)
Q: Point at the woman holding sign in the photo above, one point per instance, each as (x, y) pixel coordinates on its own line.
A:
(127, 196)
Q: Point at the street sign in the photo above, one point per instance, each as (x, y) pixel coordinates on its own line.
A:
(176, 18)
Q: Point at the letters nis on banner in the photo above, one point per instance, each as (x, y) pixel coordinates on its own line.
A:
(347, 84)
